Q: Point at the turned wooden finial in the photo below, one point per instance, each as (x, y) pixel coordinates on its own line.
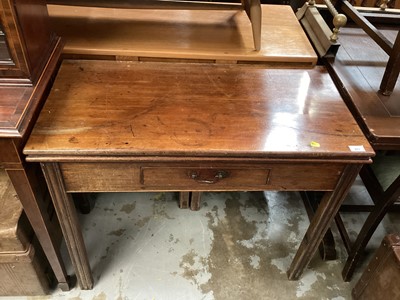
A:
(339, 21)
(311, 2)
(384, 4)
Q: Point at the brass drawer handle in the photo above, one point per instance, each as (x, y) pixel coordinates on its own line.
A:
(220, 174)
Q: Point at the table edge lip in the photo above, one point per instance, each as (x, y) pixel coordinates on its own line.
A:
(358, 158)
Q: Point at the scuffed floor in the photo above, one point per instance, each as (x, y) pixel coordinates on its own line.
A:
(238, 246)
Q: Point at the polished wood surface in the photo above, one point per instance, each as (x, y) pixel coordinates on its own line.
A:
(205, 127)
(112, 108)
(12, 104)
(358, 74)
(197, 35)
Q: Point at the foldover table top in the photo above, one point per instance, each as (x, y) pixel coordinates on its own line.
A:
(108, 108)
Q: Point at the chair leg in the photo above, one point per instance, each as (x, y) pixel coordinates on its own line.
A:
(370, 225)
(253, 10)
(256, 21)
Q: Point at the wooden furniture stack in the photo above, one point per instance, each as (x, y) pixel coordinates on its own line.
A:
(30, 54)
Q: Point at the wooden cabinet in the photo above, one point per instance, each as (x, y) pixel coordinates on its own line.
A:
(29, 59)
(26, 42)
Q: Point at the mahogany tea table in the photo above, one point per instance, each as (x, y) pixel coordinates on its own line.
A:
(112, 126)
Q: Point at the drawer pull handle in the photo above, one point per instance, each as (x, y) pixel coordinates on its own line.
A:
(220, 174)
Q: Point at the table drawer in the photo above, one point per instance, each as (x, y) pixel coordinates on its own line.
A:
(242, 177)
(204, 177)
(97, 177)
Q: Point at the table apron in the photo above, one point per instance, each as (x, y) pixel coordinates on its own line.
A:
(199, 176)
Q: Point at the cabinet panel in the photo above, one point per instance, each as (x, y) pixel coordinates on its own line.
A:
(26, 41)
(16, 67)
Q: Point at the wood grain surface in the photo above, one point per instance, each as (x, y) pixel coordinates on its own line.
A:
(149, 109)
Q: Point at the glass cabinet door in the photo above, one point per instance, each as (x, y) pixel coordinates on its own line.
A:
(5, 57)
(26, 41)
(13, 64)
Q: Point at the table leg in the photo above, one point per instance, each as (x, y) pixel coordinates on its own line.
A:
(25, 181)
(184, 198)
(195, 200)
(321, 221)
(327, 249)
(70, 227)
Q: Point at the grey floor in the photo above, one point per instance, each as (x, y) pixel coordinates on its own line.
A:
(238, 246)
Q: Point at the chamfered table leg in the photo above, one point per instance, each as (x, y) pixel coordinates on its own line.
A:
(323, 217)
(69, 223)
(195, 200)
(26, 185)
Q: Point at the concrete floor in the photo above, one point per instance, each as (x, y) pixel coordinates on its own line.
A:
(238, 246)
